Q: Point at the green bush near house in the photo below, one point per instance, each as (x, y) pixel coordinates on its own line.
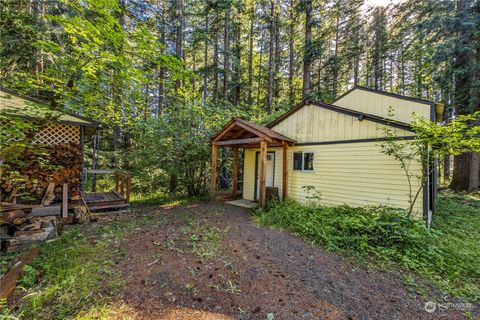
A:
(448, 254)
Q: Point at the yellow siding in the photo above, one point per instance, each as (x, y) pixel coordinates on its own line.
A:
(249, 172)
(378, 104)
(316, 124)
(357, 174)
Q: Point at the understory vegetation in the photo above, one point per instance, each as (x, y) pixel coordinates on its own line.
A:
(448, 254)
(74, 276)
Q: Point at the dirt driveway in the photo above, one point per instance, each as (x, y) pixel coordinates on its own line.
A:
(211, 261)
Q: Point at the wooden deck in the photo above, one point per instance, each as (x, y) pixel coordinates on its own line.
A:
(97, 201)
(223, 196)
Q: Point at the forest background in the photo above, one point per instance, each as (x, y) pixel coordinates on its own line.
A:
(162, 76)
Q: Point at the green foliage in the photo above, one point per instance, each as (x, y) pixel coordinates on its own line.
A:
(460, 135)
(432, 141)
(311, 193)
(29, 278)
(448, 255)
(165, 200)
(77, 275)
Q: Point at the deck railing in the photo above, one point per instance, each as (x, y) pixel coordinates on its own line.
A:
(123, 181)
(123, 184)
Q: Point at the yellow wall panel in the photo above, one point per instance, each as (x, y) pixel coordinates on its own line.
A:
(378, 104)
(249, 172)
(316, 124)
(357, 174)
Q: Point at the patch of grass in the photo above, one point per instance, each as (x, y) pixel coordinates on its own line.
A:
(77, 278)
(447, 255)
(162, 199)
(207, 243)
(232, 287)
(8, 259)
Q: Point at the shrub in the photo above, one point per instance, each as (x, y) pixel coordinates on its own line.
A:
(388, 235)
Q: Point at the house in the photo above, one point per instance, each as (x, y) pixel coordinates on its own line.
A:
(334, 148)
(63, 135)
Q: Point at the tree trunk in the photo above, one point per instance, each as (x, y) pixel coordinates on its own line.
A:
(179, 37)
(250, 56)
(259, 80)
(215, 70)
(335, 60)
(226, 55)
(465, 166)
(466, 172)
(291, 54)
(307, 55)
(402, 70)
(238, 69)
(161, 73)
(276, 79)
(356, 67)
(146, 111)
(194, 69)
(205, 63)
(270, 57)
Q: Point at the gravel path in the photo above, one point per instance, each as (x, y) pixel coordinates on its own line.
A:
(210, 261)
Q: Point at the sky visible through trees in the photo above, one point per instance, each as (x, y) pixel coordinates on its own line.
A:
(163, 75)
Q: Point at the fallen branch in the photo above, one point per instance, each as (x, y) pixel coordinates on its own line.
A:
(8, 282)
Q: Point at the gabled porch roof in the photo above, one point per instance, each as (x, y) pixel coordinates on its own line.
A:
(243, 133)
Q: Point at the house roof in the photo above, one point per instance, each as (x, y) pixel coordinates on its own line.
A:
(240, 131)
(16, 105)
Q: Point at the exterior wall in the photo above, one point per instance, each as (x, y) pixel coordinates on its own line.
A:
(378, 104)
(316, 124)
(357, 174)
(249, 172)
(353, 173)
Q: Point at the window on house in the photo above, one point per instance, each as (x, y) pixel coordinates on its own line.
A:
(297, 161)
(308, 161)
(303, 161)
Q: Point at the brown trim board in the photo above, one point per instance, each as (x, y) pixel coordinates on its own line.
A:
(350, 141)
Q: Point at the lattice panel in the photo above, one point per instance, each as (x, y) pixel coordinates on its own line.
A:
(54, 134)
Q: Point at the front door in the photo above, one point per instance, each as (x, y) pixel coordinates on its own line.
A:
(270, 174)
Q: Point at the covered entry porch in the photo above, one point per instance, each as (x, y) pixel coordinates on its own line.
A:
(242, 134)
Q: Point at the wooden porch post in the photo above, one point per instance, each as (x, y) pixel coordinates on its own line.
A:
(263, 171)
(235, 172)
(285, 171)
(213, 186)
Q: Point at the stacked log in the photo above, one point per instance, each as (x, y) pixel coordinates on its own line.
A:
(64, 166)
(24, 229)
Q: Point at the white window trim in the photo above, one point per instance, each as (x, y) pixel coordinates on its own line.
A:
(303, 159)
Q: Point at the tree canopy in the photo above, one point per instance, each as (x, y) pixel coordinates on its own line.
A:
(164, 75)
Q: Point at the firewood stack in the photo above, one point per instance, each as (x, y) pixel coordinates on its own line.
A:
(20, 228)
(65, 162)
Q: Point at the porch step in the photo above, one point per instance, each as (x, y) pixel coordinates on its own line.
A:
(242, 203)
(109, 207)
